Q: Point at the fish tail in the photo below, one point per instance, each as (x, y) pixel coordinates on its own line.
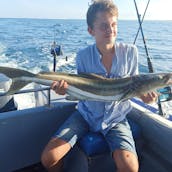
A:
(16, 76)
(14, 73)
(16, 85)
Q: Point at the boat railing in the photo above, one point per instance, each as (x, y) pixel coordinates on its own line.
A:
(34, 90)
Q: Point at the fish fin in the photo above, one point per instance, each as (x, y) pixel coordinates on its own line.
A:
(16, 86)
(125, 95)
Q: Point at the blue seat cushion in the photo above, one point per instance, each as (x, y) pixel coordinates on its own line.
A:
(94, 143)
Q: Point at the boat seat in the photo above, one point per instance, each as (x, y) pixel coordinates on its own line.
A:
(94, 143)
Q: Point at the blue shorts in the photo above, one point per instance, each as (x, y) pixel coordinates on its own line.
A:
(118, 137)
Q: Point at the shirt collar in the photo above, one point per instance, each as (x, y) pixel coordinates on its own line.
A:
(99, 54)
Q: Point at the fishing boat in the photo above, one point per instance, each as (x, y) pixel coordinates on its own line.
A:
(24, 134)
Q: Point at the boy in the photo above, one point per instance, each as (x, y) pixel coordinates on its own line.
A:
(112, 60)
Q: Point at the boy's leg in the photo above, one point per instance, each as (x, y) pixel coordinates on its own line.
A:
(65, 138)
(53, 153)
(125, 161)
(122, 145)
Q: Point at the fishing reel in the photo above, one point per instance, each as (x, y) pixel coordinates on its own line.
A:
(56, 50)
(165, 96)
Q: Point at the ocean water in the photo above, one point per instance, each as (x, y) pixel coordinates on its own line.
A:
(26, 43)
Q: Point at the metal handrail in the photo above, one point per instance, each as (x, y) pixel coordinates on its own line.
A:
(32, 90)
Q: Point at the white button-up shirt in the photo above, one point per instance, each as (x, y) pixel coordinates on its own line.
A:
(101, 116)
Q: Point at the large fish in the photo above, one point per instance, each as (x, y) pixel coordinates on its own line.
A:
(90, 86)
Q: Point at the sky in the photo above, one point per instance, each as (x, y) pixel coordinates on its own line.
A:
(76, 9)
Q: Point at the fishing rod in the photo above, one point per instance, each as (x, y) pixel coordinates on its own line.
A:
(141, 22)
(150, 67)
(166, 92)
(56, 49)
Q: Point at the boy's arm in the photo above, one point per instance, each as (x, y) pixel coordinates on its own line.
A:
(60, 86)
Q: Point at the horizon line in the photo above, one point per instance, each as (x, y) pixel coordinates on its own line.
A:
(78, 19)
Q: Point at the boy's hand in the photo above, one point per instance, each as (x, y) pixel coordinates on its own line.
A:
(59, 87)
(149, 98)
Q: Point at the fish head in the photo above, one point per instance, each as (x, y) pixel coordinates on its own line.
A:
(153, 81)
(161, 80)
(167, 79)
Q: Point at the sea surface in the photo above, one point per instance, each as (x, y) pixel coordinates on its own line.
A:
(26, 43)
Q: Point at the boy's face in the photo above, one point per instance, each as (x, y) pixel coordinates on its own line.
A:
(104, 28)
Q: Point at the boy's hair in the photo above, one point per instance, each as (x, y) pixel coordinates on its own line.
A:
(100, 6)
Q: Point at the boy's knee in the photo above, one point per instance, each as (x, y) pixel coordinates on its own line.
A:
(54, 152)
(46, 159)
(128, 168)
(126, 161)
